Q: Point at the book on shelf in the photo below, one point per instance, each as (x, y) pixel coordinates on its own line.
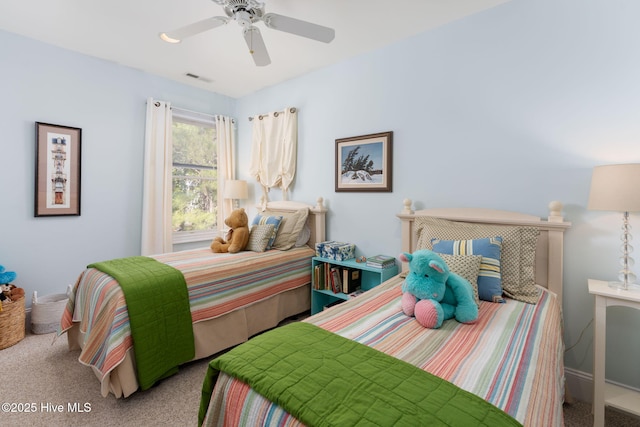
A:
(322, 277)
(327, 277)
(351, 279)
(336, 281)
(381, 261)
(318, 277)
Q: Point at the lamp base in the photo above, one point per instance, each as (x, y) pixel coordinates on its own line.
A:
(621, 286)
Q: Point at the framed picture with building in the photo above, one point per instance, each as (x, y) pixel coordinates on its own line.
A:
(58, 158)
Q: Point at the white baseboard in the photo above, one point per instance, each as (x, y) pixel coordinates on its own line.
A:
(579, 385)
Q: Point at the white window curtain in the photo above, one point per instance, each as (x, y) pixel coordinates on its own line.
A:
(156, 196)
(226, 164)
(273, 151)
(157, 190)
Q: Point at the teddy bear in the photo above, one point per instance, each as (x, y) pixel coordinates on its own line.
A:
(10, 293)
(432, 293)
(16, 293)
(238, 235)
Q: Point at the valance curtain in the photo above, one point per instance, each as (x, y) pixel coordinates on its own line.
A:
(158, 165)
(156, 195)
(273, 151)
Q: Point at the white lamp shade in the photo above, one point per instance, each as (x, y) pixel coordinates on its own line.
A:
(236, 189)
(615, 188)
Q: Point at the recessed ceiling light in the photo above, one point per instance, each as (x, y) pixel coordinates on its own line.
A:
(168, 39)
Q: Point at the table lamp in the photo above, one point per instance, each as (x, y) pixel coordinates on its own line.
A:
(617, 188)
(236, 189)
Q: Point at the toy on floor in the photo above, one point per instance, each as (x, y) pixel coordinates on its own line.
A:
(6, 277)
(8, 292)
(432, 294)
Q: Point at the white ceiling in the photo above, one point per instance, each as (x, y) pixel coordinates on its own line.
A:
(126, 32)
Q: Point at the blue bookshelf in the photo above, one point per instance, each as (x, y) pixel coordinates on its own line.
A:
(370, 278)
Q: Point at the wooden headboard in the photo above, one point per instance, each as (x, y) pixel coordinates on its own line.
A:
(549, 251)
(316, 219)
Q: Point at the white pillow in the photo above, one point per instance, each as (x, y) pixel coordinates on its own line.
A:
(304, 236)
(290, 228)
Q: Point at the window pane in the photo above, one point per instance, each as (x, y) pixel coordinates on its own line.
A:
(194, 145)
(195, 178)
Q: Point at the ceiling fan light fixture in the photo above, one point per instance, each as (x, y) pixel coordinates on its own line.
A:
(247, 13)
(243, 18)
(168, 39)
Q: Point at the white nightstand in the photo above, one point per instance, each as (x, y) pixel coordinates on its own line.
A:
(609, 394)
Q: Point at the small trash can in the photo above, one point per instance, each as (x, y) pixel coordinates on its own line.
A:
(46, 312)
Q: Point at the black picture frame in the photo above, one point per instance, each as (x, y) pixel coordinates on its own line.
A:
(58, 170)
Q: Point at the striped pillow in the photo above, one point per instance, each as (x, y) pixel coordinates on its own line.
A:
(265, 219)
(489, 278)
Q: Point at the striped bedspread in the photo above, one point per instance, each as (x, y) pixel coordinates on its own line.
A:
(512, 357)
(217, 284)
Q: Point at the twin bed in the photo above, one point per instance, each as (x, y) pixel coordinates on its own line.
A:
(232, 297)
(512, 357)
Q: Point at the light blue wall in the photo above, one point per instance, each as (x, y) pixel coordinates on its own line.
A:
(39, 82)
(509, 109)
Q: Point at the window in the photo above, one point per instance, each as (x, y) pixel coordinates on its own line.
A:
(194, 177)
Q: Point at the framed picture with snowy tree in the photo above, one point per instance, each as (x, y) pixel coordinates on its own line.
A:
(364, 163)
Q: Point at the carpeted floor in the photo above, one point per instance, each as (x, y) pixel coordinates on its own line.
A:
(49, 387)
(578, 414)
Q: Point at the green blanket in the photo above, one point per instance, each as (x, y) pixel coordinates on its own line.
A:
(323, 379)
(159, 313)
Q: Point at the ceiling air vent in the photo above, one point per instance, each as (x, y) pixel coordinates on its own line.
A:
(197, 77)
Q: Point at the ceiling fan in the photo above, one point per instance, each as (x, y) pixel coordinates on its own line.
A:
(246, 13)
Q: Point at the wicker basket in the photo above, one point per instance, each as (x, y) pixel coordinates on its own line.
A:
(12, 323)
(46, 312)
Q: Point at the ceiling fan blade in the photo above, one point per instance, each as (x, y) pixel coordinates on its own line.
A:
(299, 27)
(176, 36)
(256, 46)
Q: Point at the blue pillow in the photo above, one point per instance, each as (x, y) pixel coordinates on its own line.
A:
(489, 277)
(265, 219)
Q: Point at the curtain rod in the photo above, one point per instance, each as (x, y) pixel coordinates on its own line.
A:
(184, 111)
(276, 114)
(198, 113)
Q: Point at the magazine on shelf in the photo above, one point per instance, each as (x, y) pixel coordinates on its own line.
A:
(381, 261)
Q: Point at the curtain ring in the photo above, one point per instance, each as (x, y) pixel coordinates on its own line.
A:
(276, 114)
